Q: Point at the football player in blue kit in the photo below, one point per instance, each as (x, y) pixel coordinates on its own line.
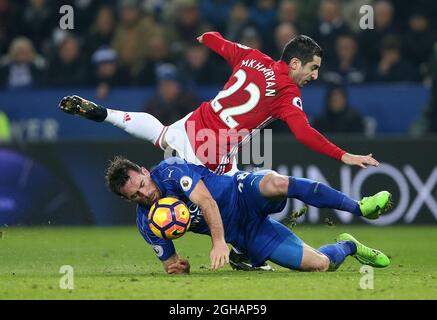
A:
(235, 210)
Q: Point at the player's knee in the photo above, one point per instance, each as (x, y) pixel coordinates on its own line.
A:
(278, 185)
(273, 185)
(319, 264)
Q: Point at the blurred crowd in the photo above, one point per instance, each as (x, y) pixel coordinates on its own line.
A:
(153, 42)
(123, 42)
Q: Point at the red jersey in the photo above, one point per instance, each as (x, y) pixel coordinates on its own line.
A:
(258, 91)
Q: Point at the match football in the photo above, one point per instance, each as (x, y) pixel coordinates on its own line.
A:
(169, 218)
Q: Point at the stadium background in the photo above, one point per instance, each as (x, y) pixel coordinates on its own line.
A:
(142, 55)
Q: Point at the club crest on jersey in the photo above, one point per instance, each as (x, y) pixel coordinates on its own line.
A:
(186, 183)
(297, 102)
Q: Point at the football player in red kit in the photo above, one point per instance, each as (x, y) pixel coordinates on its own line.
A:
(259, 90)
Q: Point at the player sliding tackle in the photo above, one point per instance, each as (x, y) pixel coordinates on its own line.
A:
(235, 210)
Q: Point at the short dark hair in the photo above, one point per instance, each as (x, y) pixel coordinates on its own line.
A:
(116, 174)
(302, 47)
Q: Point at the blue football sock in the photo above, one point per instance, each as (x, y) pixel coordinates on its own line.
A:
(338, 252)
(320, 195)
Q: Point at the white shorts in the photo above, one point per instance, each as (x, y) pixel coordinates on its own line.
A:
(177, 138)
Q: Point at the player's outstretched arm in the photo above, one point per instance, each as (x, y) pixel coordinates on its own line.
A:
(203, 198)
(311, 138)
(175, 265)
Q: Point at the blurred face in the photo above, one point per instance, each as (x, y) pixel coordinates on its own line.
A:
(69, 50)
(302, 74)
(107, 70)
(188, 16)
(169, 90)
(383, 14)
(346, 48)
(337, 101)
(23, 53)
(239, 13)
(140, 188)
(284, 33)
(287, 11)
(158, 48)
(329, 10)
(418, 23)
(105, 20)
(129, 16)
(197, 56)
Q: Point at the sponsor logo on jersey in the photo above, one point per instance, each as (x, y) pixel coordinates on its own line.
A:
(297, 102)
(186, 183)
(158, 250)
(195, 213)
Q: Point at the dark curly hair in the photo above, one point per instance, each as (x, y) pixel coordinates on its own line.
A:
(116, 174)
(302, 47)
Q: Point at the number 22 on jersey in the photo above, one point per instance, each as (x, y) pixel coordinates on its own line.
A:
(227, 114)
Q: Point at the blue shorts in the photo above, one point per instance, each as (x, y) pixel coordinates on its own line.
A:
(260, 236)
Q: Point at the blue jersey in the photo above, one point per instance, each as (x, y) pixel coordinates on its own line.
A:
(243, 210)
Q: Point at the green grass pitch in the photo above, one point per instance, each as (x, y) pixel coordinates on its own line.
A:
(115, 263)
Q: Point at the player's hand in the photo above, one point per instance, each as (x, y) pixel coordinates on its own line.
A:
(200, 39)
(180, 266)
(361, 161)
(219, 255)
